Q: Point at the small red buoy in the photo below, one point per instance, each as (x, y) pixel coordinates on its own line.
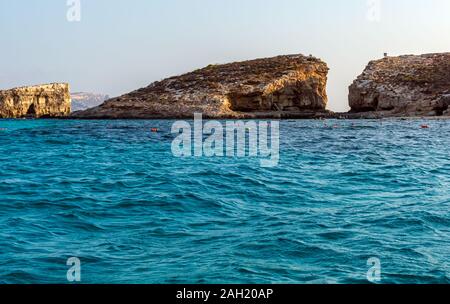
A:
(424, 127)
(154, 130)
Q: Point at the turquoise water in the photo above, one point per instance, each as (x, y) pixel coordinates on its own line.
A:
(112, 194)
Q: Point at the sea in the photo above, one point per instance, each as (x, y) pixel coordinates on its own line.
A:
(350, 201)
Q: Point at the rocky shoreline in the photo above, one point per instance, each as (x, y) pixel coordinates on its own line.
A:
(282, 87)
(403, 86)
(41, 101)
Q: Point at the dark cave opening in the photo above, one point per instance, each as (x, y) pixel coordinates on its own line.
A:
(31, 111)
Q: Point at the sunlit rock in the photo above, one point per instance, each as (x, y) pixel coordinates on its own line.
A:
(49, 100)
(283, 86)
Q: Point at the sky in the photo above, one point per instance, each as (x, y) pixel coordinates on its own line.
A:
(121, 45)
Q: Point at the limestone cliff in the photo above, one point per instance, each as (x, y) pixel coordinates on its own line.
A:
(404, 86)
(283, 86)
(49, 100)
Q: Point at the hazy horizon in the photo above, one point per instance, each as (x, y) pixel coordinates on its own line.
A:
(120, 46)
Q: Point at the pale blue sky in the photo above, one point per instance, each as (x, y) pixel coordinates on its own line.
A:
(122, 45)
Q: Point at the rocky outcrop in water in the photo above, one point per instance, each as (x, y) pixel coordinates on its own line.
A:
(283, 86)
(49, 100)
(403, 86)
(82, 101)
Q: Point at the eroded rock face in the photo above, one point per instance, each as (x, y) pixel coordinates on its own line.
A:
(404, 86)
(282, 85)
(49, 100)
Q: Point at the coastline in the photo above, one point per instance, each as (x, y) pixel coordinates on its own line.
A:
(337, 116)
(285, 87)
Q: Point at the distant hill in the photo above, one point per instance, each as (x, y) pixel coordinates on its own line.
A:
(82, 101)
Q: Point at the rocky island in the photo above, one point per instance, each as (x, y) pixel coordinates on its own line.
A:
(49, 100)
(403, 86)
(292, 86)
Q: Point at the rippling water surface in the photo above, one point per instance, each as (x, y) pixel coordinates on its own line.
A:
(112, 194)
